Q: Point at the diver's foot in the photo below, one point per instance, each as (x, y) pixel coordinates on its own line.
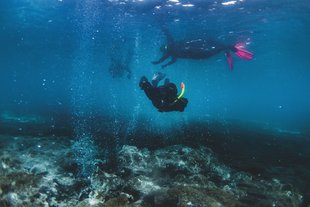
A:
(158, 76)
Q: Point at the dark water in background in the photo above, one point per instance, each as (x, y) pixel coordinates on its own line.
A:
(55, 57)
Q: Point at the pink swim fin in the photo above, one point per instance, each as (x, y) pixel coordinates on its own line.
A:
(242, 53)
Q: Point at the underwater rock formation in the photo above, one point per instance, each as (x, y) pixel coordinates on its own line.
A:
(175, 176)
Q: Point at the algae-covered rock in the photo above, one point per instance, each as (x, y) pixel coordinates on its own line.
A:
(136, 160)
(13, 199)
(185, 196)
(120, 201)
(175, 176)
(18, 181)
(90, 202)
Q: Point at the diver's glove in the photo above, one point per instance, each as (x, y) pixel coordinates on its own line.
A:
(143, 80)
(158, 76)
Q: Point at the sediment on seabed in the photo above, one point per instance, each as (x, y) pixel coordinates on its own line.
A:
(42, 171)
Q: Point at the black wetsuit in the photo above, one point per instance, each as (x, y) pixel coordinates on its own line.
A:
(191, 49)
(164, 97)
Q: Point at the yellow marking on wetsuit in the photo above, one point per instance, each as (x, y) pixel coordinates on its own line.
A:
(182, 92)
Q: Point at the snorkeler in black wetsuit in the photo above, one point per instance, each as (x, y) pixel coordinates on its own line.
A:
(163, 97)
(199, 49)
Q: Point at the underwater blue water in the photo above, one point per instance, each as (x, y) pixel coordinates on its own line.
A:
(55, 55)
(66, 122)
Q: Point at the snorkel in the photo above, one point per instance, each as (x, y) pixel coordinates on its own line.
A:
(181, 94)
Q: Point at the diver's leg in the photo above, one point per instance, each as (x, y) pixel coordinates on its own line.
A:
(157, 77)
(162, 59)
(173, 60)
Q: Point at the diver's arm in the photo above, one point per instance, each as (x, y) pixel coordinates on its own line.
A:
(164, 57)
(173, 60)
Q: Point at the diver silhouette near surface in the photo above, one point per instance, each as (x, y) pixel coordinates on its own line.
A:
(121, 55)
(164, 97)
(199, 49)
(118, 68)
